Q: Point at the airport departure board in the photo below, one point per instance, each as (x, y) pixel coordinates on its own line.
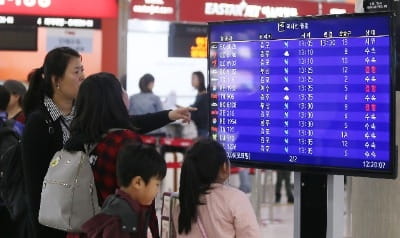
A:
(305, 93)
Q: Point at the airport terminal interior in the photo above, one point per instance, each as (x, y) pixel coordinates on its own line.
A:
(299, 95)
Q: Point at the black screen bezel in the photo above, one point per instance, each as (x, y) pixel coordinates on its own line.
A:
(392, 172)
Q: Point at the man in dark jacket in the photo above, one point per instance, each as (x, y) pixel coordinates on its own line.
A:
(8, 221)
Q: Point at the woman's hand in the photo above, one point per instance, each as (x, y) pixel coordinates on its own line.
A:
(181, 113)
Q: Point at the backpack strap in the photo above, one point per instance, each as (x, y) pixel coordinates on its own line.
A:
(89, 148)
(113, 130)
(116, 206)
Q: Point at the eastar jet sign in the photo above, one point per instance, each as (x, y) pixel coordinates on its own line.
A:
(248, 11)
(224, 10)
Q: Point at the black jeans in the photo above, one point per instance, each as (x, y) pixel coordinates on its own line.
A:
(283, 176)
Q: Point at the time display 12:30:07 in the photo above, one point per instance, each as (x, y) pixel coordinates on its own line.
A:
(374, 164)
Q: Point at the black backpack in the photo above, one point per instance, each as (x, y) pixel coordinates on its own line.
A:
(11, 174)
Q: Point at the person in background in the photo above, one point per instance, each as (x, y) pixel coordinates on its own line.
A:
(200, 117)
(244, 178)
(283, 176)
(8, 226)
(140, 169)
(207, 207)
(5, 98)
(145, 101)
(17, 91)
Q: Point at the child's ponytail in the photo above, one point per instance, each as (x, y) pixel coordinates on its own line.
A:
(199, 170)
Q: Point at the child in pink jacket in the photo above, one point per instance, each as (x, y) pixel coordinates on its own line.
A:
(208, 208)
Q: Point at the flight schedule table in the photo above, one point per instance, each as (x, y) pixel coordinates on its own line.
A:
(303, 91)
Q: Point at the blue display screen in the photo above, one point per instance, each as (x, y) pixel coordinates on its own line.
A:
(311, 92)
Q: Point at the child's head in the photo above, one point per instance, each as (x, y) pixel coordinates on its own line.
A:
(205, 163)
(140, 169)
(207, 159)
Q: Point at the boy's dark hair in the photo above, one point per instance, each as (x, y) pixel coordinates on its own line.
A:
(135, 159)
(4, 98)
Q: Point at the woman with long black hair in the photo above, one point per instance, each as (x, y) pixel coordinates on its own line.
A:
(49, 108)
(102, 119)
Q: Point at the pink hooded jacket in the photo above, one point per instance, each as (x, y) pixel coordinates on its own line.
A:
(227, 213)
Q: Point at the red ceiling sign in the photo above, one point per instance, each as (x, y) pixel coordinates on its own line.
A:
(154, 9)
(68, 8)
(222, 10)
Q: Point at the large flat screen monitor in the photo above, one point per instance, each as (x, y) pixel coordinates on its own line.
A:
(307, 94)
